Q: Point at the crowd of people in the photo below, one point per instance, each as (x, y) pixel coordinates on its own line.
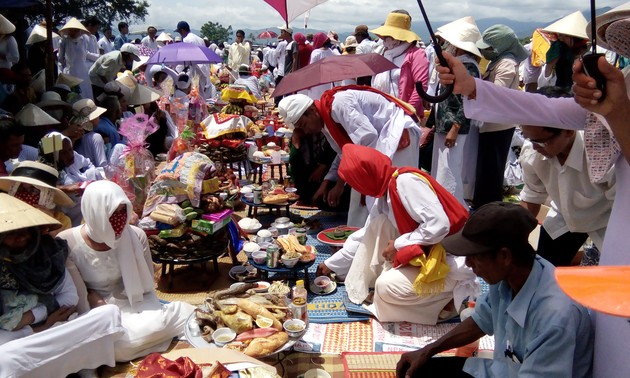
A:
(424, 183)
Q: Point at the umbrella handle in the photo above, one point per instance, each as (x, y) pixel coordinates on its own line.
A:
(438, 52)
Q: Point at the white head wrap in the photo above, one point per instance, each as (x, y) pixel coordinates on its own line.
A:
(100, 201)
(291, 108)
(183, 81)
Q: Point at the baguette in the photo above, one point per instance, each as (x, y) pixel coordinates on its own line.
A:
(264, 346)
(276, 199)
(254, 309)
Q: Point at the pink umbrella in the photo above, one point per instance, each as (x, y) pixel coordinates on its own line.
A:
(291, 9)
(267, 34)
(333, 68)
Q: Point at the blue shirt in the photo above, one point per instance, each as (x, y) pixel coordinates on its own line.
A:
(119, 41)
(548, 334)
(107, 128)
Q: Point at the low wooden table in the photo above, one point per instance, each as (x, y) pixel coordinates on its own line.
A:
(253, 207)
(281, 269)
(257, 170)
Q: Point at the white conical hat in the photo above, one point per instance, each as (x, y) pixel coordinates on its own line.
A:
(16, 215)
(37, 174)
(463, 37)
(69, 80)
(38, 83)
(6, 27)
(32, 115)
(38, 34)
(457, 24)
(573, 25)
(73, 24)
(143, 95)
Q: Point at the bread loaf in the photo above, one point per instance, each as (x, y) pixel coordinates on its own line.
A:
(276, 199)
(264, 346)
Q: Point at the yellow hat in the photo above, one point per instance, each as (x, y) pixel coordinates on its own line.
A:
(397, 26)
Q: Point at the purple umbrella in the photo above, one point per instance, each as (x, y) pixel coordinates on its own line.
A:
(183, 53)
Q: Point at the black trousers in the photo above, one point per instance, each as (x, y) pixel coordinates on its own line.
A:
(562, 250)
(450, 367)
(491, 158)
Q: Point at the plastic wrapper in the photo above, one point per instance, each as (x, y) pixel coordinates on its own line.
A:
(134, 171)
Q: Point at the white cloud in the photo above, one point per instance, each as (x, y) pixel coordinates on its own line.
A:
(344, 15)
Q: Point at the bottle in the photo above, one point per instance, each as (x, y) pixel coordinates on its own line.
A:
(298, 303)
(470, 349)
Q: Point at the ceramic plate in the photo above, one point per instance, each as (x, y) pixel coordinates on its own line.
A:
(321, 236)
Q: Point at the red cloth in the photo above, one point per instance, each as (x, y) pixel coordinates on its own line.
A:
(304, 55)
(371, 173)
(324, 106)
(360, 163)
(456, 213)
(156, 366)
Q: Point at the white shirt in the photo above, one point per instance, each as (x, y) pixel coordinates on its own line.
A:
(194, 39)
(91, 45)
(106, 45)
(108, 65)
(251, 82)
(578, 205)
(150, 43)
(365, 47)
(373, 121)
(238, 54)
(280, 53)
(421, 203)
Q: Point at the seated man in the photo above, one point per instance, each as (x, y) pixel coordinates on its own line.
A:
(538, 330)
(398, 251)
(555, 167)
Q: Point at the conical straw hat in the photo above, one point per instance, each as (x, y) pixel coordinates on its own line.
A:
(6, 27)
(32, 115)
(573, 25)
(73, 24)
(164, 37)
(38, 34)
(69, 80)
(16, 215)
(143, 95)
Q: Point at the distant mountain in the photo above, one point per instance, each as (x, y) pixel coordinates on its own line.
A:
(521, 28)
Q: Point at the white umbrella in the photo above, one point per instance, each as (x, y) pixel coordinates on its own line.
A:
(291, 9)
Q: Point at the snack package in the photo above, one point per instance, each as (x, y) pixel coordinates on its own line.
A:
(134, 171)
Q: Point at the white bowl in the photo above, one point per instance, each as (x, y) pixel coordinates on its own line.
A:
(294, 327)
(223, 336)
(290, 263)
(249, 248)
(323, 282)
(252, 230)
(259, 257)
(290, 190)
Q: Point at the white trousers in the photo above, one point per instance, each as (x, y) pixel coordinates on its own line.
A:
(447, 165)
(86, 342)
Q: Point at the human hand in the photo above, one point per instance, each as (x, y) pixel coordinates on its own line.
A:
(389, 254)
(334, 195)
(61, 314)
(587, 94)
(404, 140)
(27, 319)
(451, 136)
(410, 362)
(322, 192)
(322, 270)
(456, 74)
(318, 174)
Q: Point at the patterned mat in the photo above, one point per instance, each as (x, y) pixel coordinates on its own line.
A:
(370, 365)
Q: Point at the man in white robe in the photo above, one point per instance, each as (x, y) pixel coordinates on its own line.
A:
(368, 119)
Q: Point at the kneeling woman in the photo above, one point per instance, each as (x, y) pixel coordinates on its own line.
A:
(114, 260)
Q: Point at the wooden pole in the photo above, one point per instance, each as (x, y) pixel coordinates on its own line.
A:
(50, 67)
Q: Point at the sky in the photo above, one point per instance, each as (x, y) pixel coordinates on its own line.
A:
(343, 15)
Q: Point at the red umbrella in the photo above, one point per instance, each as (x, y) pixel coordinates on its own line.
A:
(267, 34)
(290, 10)
(333, 68)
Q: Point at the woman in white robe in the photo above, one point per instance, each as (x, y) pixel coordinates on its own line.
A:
(114, 260)
(72, 54)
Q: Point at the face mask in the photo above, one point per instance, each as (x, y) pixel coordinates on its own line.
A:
(30, 197)
(118, 220)
(489, 54)
(390, 43)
